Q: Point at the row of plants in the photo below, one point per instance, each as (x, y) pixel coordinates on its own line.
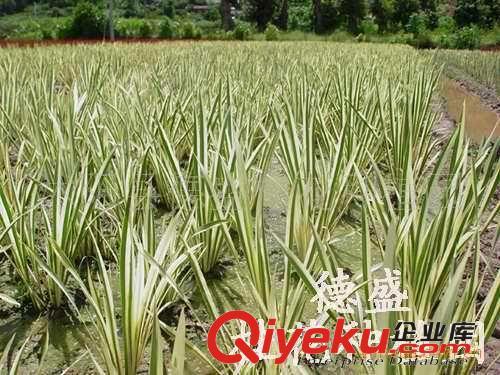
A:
(481, 66)
(131, 175)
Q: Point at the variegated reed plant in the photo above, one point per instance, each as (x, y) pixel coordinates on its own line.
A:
(49, 127)
(483, 66)
(219, 136)
(330, 121)
(406, 120)
(211, 202)
(283, 298)
(200, 186)
(65, 220)
(18, 203)
(165, 133)
(196, 189)
(434, 239)
(151, 275)
(323, 135)
(306, 153)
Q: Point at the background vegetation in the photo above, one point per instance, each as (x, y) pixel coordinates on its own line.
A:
(422, 23)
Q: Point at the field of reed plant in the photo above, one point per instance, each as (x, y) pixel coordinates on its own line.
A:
(139, 187)
(481, 66)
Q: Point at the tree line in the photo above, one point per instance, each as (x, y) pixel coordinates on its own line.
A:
(389, 15)
(320, 16)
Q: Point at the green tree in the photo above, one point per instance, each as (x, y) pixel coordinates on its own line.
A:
(300, 15)
(429, 6)
(418, 23)
(132, 8)
(12, 6)
(168, 8)
(326, 15)
(87, 21)
(7, 6)
(260, 11)
(383, 11)
(226, 16)
(167, 29)
(403, 9)
(318, 16)
(353, 11)
(282, 19)
(479, 12)
(59, 3)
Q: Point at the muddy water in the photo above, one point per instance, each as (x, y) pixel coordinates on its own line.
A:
(480, 121)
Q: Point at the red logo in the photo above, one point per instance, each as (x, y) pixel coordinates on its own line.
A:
(310, 340)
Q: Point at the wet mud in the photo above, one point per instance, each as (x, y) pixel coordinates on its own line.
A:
(480, 121)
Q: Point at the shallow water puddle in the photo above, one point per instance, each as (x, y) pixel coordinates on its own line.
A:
(480, 121)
